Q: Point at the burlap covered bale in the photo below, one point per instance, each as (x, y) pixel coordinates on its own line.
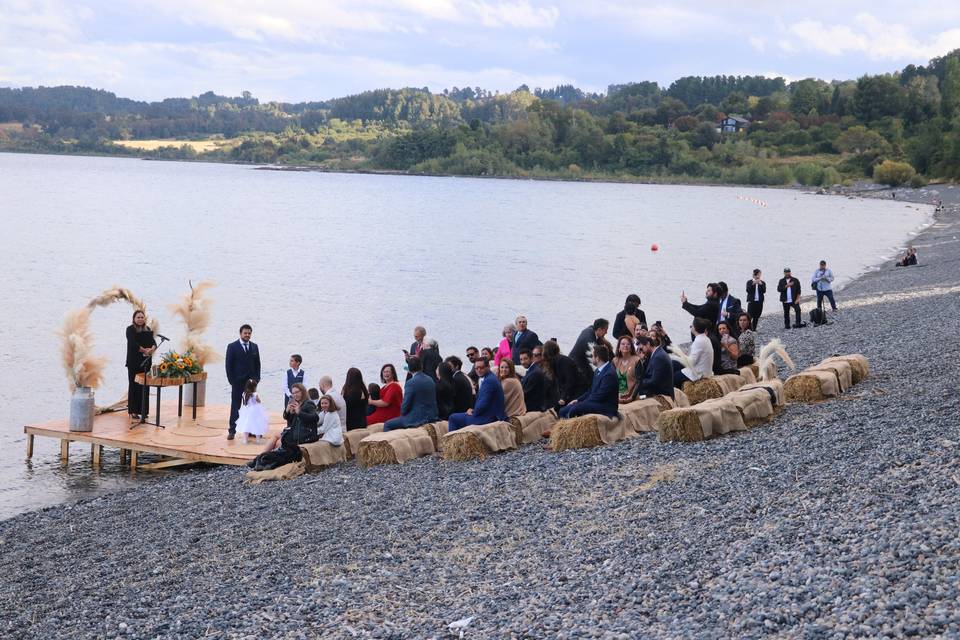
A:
(701, 421)
(665, 402)
(320, 454)
(712, 387)
(286, 472)
(353, 437)
(394, 447)
(774, 387)
(587, 431)
(436, 430)
(860, 366)
(680, 399)
(641, 415)
(748, 375)
(530, 427)
(811, 386)
(478, 441)
(754, 404)
(841, 369)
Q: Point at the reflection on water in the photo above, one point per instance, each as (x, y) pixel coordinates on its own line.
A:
(340, 268)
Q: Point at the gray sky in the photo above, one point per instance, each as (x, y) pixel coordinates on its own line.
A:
(296, 50)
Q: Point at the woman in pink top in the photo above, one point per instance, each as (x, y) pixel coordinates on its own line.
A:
(506, 345)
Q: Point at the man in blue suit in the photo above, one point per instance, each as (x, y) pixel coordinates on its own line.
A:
(242, 364)
(419, 399)
(604, 394)
(523, 339)
(658, 375)
(490, 405)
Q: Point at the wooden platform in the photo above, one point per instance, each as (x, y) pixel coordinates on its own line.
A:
(181, 441)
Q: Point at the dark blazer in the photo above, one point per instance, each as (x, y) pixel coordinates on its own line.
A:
(570, 383)
(523, 340)
(242, 366)
(490, 405)
(135, 340)
(462, 392)
(782, 288)
(430, 359)
(534, 384)
(733, 307)
(419, 400)
(751, 287)
(580, 351)
(620, 323)
(708, 310)
(300, 431)
(604, 394)
(657, 376)
(445, 396)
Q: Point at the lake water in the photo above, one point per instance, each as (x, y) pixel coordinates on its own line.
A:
(341, 267)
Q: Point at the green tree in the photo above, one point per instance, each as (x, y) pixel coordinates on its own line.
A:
(859, 140)
(950, 87)
(878, 96)
(806, 96)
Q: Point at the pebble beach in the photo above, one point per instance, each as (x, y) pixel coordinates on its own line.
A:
(835, 520)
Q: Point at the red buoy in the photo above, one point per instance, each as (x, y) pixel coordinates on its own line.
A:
(654, 247)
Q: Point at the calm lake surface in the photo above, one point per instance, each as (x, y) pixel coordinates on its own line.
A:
(341, 267)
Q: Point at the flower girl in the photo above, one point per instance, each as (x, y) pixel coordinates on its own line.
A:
(253, 419)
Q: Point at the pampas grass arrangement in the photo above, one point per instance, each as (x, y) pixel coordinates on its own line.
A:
(116, 294)
(772, 349)
(194, 310)
(83, 369)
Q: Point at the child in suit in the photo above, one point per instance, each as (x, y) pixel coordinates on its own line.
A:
(293, 375)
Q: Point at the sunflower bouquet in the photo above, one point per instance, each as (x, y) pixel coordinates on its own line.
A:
(178, 365)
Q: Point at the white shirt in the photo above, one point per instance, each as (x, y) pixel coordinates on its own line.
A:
(723, 307)
(341, 403)
(790, 290)
(701, 354)
(330, 427)
(756, 292)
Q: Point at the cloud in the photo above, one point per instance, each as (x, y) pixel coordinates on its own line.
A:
(516, 14)
(758, 42)
(537, 43)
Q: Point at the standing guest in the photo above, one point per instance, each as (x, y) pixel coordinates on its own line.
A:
(329, 425)
(820, 281)
(462, 387)
(747, 341)
(302, 419)
(564, 382)
(513, 401)
(505, 348)
(625, 324)
(658, 374)
(419, 333)
(356, 397)
(730, 308)
(419, 399)
(756, 290)
(602, 398)
(387, 406)
(445, 390)
(242, 364)
(140, 348)
(490, 405)
(523, 339)
(534, 381)
(701, 356)
(729, 350)
(472, 354)
(789, 288)
(326, 389)
(487, 353)
(625, 363)
(586, 342)
(709, 310)
(294, 375)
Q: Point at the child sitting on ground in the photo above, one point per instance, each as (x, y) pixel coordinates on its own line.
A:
(253, 418)
(374, 390)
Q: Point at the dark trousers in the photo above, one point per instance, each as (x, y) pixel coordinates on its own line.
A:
(828, 294)
(236, 395)
(138, 403)
(786, 313)
(678, 376)
(754, 310)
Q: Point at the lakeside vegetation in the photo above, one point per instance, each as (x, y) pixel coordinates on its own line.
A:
(896, 128)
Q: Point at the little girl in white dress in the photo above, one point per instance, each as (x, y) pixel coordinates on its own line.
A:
(253, 418)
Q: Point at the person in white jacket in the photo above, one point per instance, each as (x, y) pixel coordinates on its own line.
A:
(701, 356)
(330, 428)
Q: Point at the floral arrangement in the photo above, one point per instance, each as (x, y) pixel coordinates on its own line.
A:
(178, 365)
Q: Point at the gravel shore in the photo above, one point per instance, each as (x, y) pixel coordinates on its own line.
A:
(836, 520)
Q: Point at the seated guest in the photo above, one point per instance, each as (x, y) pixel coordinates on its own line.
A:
(505, 348)
(909, 258)
(587, 340)
(658, 374)
(490, 403)
(373, 391)
(523, 339)
(513, 401)
(625, 324)
(326, 389)
(387, 406)
(638, 331)
(472, 354)
(301, 416)
(445, 390)
(701, 356)
(625, 362)
(419, 399)
(729, 349)
(328, 426)
(564, 382)
(602, 397)
(487, 353)
(357, 398)
(462, 387)
(747, 341)
(430, 358)
(534, 382)
(657, 332)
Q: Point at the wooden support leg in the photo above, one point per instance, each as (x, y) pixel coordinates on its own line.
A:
(133, 458)
(29, 445)
(65, 450)
(95, 451)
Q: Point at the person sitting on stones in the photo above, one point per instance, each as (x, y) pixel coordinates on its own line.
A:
(490, 405)
(302, 419)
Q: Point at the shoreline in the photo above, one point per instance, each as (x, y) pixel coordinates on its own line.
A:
(835, 518)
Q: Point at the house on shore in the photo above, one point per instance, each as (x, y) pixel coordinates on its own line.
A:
(734, 124)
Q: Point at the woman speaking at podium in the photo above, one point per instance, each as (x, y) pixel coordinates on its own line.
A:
(140, 348)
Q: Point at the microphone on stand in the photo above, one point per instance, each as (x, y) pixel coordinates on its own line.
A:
(163, 338)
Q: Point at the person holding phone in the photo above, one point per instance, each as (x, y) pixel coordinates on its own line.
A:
(789, 288)
(756, 291)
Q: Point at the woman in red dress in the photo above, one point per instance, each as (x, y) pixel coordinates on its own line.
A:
(391, 397)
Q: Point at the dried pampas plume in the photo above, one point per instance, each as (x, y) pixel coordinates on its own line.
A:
(83, 369)
(678, 354)
(194, 310)
(116, 294)
(767, 353)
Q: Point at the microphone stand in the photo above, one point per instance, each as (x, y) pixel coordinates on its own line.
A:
(145, 391)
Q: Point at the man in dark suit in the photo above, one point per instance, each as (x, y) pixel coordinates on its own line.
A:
(756, 290)
(462, 387)
(523, 338)
(534, 382)
(588, 338)
(729, 309)
(419, 399)
(490, 405)
(430, 357)
(789, 288)
(242, 364)
(604, 394)
(472, 354)
(658, 374)
(709, 310)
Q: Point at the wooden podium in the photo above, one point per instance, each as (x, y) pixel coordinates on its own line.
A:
(159, 383)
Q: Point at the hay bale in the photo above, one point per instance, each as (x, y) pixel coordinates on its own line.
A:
(680, 399)
(712, 387)
(679, 425)
(530, 427)
(394, 447)
(754, 404)
(321, 453)
(748, 375)
(476, 442)
(666, 402)
(811, 386)
(588, 431)
(702, 421)
(641, 415)
(840, 368)
(436, 431)
(773, 387)
(859, 365)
